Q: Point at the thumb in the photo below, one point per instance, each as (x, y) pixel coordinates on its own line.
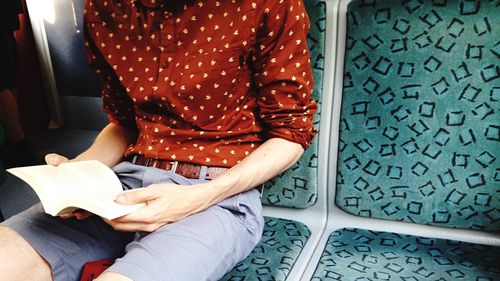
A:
(136, 196)
(55, 159)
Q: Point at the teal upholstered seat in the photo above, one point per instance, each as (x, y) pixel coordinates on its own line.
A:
(283, 240)
(419, 140)
(420, 124)
(298, 187)
(353, 254)
(281, 244)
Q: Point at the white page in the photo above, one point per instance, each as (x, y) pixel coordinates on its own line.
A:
(103, 205)
(90, 185)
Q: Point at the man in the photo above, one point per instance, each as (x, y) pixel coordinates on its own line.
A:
(217, 92)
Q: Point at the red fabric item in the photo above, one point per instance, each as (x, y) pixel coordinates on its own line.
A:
(204, 82)
(92, 270)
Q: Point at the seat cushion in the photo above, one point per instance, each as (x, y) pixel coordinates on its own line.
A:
(298, 186)
(354, 254)
(276, 253)
(420, 125)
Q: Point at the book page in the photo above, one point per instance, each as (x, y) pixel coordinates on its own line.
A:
(90, 185)
(103, 205)
(88, 177)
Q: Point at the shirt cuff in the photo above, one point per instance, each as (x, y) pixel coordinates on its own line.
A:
(303, 137)
(121, 122)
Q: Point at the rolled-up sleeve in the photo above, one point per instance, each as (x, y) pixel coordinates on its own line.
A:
(283, 72)
(116, 103)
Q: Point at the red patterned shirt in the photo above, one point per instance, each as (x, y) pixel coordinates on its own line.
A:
(203, 81)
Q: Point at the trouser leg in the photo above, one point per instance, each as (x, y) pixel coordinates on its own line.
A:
(203, 246)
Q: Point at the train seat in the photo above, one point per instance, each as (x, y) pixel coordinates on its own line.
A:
(360, 254)
(414, 193)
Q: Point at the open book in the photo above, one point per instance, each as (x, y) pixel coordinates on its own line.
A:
(88, 185)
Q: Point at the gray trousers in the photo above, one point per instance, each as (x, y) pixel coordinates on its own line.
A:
(203, 246)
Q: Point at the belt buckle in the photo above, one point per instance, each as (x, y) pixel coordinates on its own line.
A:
(134, 159)
(174, 164)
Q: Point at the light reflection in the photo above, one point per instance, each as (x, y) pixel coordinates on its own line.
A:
(44, 9)
(75, 22)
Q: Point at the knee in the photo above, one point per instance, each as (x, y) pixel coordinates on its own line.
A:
(7, 236)
(24, 263)
(12, 245)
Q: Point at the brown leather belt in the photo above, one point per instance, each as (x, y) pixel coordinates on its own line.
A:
(188, 170)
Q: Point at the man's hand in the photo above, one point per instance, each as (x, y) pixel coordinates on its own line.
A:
(79, 214)
(55, 159)
(165, 203)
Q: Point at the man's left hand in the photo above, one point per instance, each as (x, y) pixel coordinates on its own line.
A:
(165, 203)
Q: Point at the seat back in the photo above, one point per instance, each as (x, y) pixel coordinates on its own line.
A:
(420, 122)
(73, 87)
(298, 186)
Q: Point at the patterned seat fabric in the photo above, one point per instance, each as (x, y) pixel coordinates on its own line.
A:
(298, 187)
(274, 257)
(353, 254)
(420, 124)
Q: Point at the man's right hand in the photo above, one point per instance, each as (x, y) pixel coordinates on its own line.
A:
(55, 159)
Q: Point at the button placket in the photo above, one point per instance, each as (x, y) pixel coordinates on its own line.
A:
(166, 38)
(166, 48)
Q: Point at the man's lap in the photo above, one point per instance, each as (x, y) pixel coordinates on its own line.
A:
(67, 244)
(204, 245)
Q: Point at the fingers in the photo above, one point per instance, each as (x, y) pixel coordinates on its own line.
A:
(82, 214)
(165, 203)
(132, 226)
(135, 222)
(55, 159)
(66, 216)
(148, 214)
(146, 219)
(78, 214)
(136, 196)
